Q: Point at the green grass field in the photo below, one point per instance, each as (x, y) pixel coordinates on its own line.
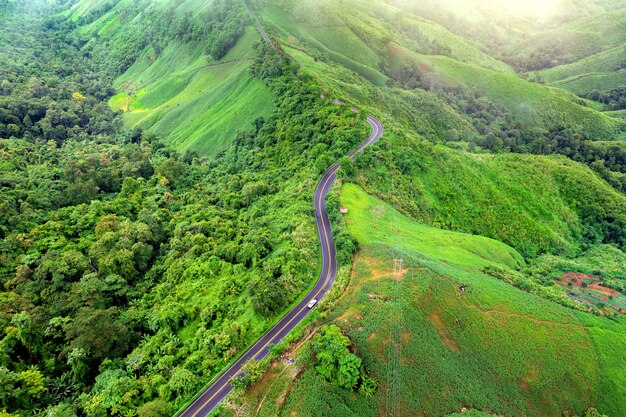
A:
(192, 102)
(589, 37)
(328, 32)
(597, 72)
(462, 49)
(536, 204)
(353, 34)
(532, 104)
(435, 348)
(373, 222)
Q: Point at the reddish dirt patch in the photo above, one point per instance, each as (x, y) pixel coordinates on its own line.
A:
(448, 341)
(524, 382)
(573, 279)
(406, 336)
(576, 279)
(367, 269)
(398, 51)
(602, 290)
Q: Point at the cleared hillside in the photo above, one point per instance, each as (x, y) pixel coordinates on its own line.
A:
(441, 336)
(601, 72)
(183, 68)
(532, 104)
(195, 103)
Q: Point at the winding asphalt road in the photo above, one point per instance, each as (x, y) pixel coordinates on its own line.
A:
(221, 387)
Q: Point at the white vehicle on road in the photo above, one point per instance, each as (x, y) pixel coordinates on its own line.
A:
(312, 303)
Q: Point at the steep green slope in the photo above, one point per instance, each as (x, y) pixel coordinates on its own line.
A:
(415, 32)
(182, 69)
(601, 72)
(435, 343)
(354, 34)
(536, 204)
(422, 111)
(440, 337)
(532, 104)
(373, 222)
(324, 27)
(571, 42)
(195, 103)
(407, 47)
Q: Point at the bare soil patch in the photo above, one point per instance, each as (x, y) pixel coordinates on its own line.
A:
(448, 341)
(590, 285)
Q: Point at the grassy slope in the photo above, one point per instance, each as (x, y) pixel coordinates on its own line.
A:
(581, 38)
(320, 25)
(193, 7)
(352, 33)
(462, 49)
(531, 103)
(82, 7)
(521, 200)
(492, 347)
(596, 72)
(533, 203)
(420, 110)
(373, 222)
(184, 96)
(595, 47)
(194, 103)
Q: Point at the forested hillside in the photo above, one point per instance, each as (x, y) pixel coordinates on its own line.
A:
(157, 170)
(132, 273)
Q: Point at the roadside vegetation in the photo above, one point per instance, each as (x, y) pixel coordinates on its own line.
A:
(543, 179)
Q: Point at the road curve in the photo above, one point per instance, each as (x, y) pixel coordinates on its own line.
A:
(214, 394)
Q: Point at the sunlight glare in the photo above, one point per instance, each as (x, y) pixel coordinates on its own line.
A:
(532, 8)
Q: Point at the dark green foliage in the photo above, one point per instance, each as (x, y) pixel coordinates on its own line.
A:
(227, 19)
(485, 196)
(155, 409)
(614, 99)
(131, 274)
(219, 27)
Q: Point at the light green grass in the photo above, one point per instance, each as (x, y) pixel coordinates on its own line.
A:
(586, 83)
(536, 204)
(82, 7)
(372, 221)
(491, 347)
(192, 102)
(594, 72)
(329, 35)
(533, 104)
(588, 35)
(463, 50)
(617, 113)
(422, 111)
